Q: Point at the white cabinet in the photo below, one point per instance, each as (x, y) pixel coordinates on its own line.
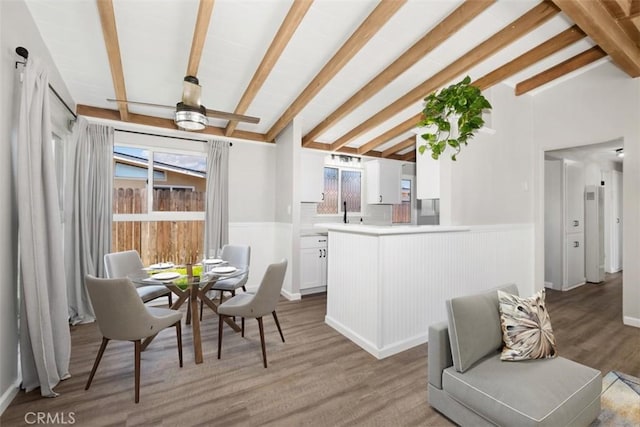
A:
(312, 167)
(384, 186)
(313, 264)
(427, 173)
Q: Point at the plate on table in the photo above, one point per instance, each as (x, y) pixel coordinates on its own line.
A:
(169, 275)
(213, 261)
(161, 266)
(223, 270)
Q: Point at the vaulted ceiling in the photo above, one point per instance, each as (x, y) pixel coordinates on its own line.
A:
(354, 71)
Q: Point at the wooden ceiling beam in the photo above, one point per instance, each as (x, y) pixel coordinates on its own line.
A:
(140, 119)
(625, 18)
(595, 20)
(110, 34)
(409, 142)
(289, 26)
(199, 36)
(551, 46)
(518, 28)
(376, 19)
(560, 70)
(350, 151)
(434, 38)
(411, 155)
(408, 124)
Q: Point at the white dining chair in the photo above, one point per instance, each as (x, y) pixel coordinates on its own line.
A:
(257, 305)
(121, 264)
(121, 315)
(238, 256)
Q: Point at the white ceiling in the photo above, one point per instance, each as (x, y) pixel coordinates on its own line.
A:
(155, 39)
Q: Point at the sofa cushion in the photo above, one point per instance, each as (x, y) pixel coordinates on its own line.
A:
(526, 327)
(546, 392)
(474, 326)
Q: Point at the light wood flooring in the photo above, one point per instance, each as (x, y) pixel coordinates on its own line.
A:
(316, 378)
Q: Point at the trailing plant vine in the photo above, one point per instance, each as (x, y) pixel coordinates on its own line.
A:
(461, 101)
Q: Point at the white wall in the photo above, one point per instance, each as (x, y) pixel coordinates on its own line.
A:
(490, 183)
(602, 104)
(500, 178)
(553, 223)
(17, 28)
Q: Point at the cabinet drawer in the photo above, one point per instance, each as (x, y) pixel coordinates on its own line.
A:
(313, 242)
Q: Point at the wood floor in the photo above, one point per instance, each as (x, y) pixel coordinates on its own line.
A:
(316, 378)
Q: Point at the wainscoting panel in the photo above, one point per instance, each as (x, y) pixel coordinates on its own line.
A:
(392, 287)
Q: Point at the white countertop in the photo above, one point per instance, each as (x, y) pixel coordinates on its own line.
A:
(385, 230)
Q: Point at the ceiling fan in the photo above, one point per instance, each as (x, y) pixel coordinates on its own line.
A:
(190, 114)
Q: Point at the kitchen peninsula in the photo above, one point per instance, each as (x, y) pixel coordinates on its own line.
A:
(387, 284)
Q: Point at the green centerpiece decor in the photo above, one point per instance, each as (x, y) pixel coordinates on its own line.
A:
(451, 117)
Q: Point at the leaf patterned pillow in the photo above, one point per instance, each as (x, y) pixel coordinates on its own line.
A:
(526, 327)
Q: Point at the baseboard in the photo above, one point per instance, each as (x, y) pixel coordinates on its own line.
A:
(371, 348)
(631, 321)
(8, 395)
(548, 285)
(575, 286)
(291, 296)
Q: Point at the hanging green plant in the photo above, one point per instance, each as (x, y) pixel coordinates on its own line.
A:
(460, 101)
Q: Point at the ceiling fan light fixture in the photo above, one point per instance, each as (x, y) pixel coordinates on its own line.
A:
(190, 118)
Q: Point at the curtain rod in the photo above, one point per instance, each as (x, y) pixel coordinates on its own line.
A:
(24, 53)
(164, 136)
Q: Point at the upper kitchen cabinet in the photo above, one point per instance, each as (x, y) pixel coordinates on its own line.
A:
(312, 167)
(384, 186)
(427, 174)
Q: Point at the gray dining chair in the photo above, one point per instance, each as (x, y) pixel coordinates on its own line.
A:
(238, 256)
(121, 315)
(121, 264)
(257, 305)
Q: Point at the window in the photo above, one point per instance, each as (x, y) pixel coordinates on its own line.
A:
(402, 212)
(158, 203)
(341, 185)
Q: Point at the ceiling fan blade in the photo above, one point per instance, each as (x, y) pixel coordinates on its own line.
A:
(232, 116)
(147, 104)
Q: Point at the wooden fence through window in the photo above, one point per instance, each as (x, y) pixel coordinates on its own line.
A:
(159, 241)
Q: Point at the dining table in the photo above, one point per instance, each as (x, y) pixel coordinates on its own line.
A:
(193, 288)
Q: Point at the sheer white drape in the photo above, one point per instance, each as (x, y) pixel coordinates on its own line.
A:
(216, 223)
(45, 342)
(89, 213)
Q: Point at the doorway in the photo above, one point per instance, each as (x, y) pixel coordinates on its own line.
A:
(583, 214)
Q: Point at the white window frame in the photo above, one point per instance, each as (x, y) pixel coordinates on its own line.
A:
(163, 145)
(340, 169)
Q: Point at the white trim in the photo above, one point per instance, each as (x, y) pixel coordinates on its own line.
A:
(631, 321)
(9, 394)
(291, 296)
(548, 285)
(577, 285)
(160, 216)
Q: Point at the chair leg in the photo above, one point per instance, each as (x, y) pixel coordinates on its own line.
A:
(170, 299)
(275, 317)
(105, 341)
(201, 305)
(264, 350)
(188, 322)
(179, 336)
(138, 346)
(242, 326)
(219, 334)
(244, 288)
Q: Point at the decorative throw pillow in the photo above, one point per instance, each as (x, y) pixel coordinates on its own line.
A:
(526, 327)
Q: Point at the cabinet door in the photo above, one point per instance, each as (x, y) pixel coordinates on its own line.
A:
(312, 172)
(312, 268)
(384, 184)
(427, 174)
(574, 198)
(575, 260)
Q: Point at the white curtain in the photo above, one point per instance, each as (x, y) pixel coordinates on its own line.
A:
(89, 213)
(216, 224)
(45, 342)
